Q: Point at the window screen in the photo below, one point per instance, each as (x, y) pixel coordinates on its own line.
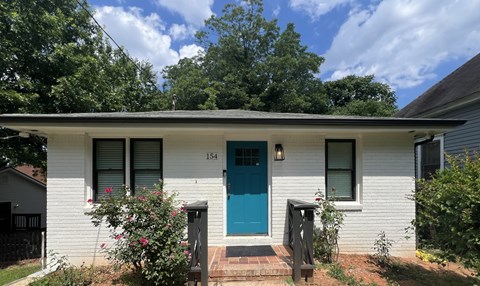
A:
(109, 165)
(430, 160)
(146, 162)
(340, 169)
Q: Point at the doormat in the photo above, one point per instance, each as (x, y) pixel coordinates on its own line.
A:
(257, 250)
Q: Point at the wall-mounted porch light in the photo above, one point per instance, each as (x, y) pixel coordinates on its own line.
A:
(279, 152)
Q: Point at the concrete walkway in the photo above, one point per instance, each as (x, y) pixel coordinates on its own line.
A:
(26, 280)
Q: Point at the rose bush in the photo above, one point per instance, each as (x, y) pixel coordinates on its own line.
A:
(325, 237)
(148, 232)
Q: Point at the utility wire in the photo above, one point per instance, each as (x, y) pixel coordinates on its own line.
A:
(111, 38)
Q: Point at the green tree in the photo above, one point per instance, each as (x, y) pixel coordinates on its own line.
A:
(448, 209)
(248, 64)
(54, 59)
(360, 95)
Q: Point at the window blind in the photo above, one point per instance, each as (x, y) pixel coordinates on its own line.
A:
(109, 166)
(146, 162)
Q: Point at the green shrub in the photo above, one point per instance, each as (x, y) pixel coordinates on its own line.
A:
(64, 275)
(325, 239)
(382, 246)
(148, 231)
(448, 212)
(71, 276)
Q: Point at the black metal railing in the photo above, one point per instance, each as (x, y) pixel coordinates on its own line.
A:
(27, 221)
(300, 236)
(198, 241)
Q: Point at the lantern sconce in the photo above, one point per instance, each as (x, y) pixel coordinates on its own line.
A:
(279, 152)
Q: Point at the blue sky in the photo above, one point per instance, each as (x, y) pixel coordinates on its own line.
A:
(408, 44)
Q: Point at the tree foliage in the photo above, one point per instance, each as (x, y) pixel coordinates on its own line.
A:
(249, 63)
(54, 59)
(449, 208)
(360, 95)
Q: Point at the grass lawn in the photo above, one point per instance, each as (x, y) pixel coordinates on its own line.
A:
(16, 271)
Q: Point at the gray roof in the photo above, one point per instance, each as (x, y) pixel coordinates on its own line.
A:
(463, 82)
(221, 117)
(25, 176)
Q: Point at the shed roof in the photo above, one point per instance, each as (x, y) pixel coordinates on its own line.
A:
(220, 117)
(462, 83)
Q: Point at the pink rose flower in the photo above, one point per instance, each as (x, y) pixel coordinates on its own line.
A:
(184, 243)
(186, 252)
(174, 213)
(142, 198)
(89, 201)
(119, 236)
(143, 241)
(318, 199)
(103, 245)
(130, 218)
(108, 190)
(133, 243)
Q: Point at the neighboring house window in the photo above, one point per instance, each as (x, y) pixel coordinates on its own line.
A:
(340, 169)
(108, 165)
(146, 162)
(430, 158)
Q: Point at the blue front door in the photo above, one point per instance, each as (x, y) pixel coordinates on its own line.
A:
(247, 207)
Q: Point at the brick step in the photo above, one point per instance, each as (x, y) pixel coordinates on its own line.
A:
(251, 283)
(254, 270)
(251, 272)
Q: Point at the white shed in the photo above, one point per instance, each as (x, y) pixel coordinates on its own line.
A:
(228, 158)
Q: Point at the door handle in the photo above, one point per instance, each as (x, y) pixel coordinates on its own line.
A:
(228, 190)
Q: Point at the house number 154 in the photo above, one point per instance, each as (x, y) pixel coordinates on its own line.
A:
(212, 156)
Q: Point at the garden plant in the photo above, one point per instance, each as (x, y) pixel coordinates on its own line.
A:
(448, 212)
(325, 239)
(148, 229)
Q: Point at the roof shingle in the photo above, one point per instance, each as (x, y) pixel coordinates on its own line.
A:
(461, 83)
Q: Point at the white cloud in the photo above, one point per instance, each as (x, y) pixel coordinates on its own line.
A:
(144, 37)
(181, 31)
(316, 8)
(189, 51)
(193, 11)
(276, 11)
(403, 41)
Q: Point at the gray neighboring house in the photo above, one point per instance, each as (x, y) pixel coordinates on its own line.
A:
(23, 201)
(455, 96)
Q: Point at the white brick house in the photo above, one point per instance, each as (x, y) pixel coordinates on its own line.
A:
(201, 154)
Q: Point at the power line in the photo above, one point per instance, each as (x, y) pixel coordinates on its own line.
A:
(111, 38)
